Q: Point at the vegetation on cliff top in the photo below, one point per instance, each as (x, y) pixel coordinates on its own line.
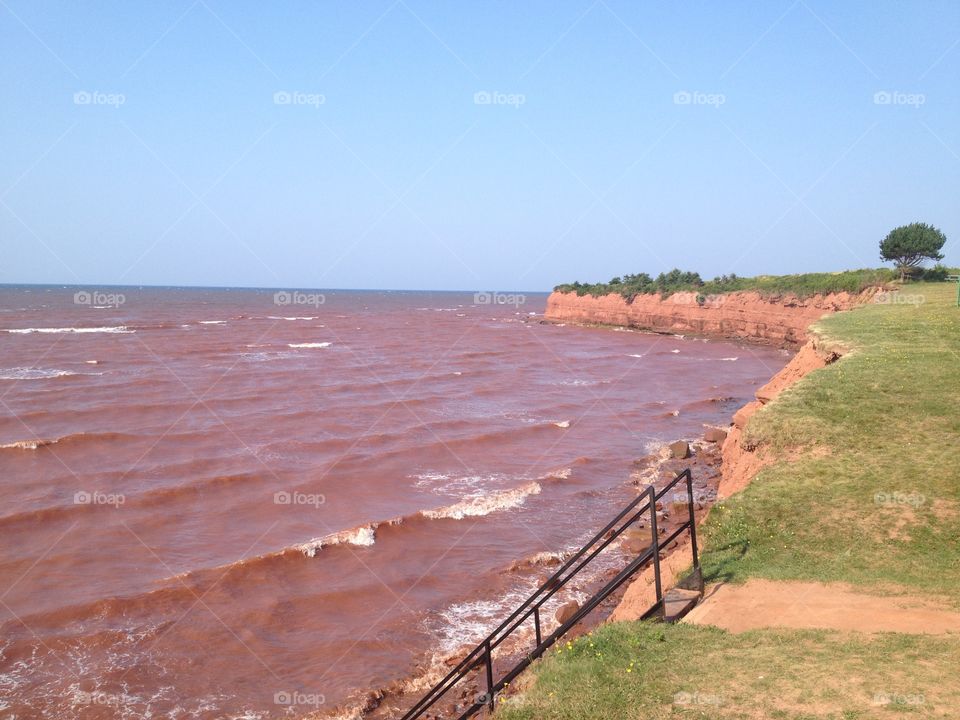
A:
(803, 285)
(865, 492)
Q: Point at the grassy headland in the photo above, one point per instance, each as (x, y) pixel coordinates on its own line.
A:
(665, 284)
(867, 492)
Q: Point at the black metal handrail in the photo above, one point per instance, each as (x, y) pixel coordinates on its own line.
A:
(530, 608)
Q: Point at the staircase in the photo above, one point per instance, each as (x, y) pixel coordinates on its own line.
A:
(669, 607)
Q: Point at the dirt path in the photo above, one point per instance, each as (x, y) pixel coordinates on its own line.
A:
(766, 603)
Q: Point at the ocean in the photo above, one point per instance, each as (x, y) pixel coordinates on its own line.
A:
(236, 503)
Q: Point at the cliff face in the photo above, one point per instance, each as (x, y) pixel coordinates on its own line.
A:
(781, 320)
(740, 465)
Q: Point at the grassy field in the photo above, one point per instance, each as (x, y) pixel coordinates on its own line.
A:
(867, 492)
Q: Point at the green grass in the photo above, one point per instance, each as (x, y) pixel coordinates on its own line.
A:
(646, 671)
(804, 285)
(873, 496)
(866, 490)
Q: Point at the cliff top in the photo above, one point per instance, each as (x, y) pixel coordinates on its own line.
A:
(801, 285)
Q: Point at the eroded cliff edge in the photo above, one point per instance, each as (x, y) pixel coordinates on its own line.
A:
(741, 461)
(777, 319)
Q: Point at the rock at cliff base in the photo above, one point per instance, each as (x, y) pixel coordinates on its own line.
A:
(680, 449)
(567, 611)
(715, 435)
(635, 546)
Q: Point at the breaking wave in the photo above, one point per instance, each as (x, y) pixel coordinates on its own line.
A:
(26, 331)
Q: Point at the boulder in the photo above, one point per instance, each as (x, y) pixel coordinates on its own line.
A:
(680, 449)
(567, 611)
(715, 435)
(635, 542)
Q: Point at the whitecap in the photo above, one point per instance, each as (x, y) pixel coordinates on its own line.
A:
(27, 373)
(28, 444)
(26, 331)
(309, 345)
(364, 536)
(484, 504)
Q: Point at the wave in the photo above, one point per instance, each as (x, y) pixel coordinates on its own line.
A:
(28, 444)
(540, 560)
(116, 329)
(363, 536)
(146, 499)
(212, 322)
(483, 504)
(280, 317)
(32, 373)
(37, 443)
(309, 345)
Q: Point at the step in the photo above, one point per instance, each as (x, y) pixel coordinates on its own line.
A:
(678, 602)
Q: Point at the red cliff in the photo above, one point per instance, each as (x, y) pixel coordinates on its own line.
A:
(776, 320)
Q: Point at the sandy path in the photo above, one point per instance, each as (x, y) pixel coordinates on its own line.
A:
(766, 603)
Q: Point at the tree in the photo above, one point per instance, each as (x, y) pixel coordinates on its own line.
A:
(909, 245)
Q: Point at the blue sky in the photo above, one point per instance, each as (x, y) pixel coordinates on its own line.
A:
(450, 145)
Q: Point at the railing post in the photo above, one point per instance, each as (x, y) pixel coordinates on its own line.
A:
(656, 546)
(536, 623)
(693, 532)
(489, 676)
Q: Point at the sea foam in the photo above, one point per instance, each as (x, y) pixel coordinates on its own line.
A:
(117, 329)
(484, 504)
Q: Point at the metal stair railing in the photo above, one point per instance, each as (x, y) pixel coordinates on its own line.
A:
(482, 653)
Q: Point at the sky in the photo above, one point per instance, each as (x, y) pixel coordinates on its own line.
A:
(409, 144)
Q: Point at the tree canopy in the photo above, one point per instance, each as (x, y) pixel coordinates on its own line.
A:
(908, 246)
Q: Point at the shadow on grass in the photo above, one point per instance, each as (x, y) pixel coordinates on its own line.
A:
(718, 563)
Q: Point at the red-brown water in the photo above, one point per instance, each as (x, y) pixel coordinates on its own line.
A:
(198, 524)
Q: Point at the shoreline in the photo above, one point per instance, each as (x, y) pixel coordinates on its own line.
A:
(740, 464)
(734, 462)
(391, 700)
